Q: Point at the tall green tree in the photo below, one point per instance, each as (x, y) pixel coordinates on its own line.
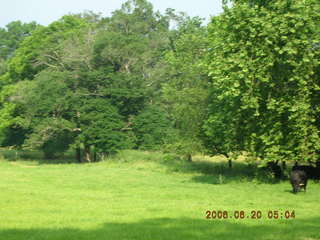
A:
(184, 94)
(87, 76)
(132, 45)
(263, 66)
(36, 58)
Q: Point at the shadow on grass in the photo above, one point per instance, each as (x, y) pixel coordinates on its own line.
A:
(35, 156)
(220, 173)
(173, 229)
(208, 171)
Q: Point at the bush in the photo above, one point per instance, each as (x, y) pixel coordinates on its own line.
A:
(151, 128)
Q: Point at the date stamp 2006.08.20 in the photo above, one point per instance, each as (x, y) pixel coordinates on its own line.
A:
(253, 214)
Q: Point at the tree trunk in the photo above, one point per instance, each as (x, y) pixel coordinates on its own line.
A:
(229, 159)
(78, 154)
(230, 163)
(95, 156)
(189, 157)
(284, 165)
(87, 153)
(78, 149)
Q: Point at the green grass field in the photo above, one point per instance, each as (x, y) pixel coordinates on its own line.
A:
(141, 195)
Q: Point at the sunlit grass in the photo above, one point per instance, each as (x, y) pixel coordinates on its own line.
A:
(141, 195)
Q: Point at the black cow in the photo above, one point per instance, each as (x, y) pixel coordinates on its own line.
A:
(298, 180)
(312, 172)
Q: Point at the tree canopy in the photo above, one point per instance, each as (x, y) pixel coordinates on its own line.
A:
(263, 65)
(248, 82)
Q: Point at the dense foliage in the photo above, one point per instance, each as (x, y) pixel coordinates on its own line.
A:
(247, 82)
(264, 65)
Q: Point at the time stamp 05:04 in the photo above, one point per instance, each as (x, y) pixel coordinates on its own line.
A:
(253, 214)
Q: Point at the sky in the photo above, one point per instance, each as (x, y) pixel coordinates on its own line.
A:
(47, 11)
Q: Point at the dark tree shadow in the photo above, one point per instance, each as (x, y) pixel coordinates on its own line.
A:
(220, 173)
(177, 229)
(209, 172)
(36, 157)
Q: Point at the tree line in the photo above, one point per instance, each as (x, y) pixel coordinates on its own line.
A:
(247, 82)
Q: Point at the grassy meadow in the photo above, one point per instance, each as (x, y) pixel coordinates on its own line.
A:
(141, 195)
